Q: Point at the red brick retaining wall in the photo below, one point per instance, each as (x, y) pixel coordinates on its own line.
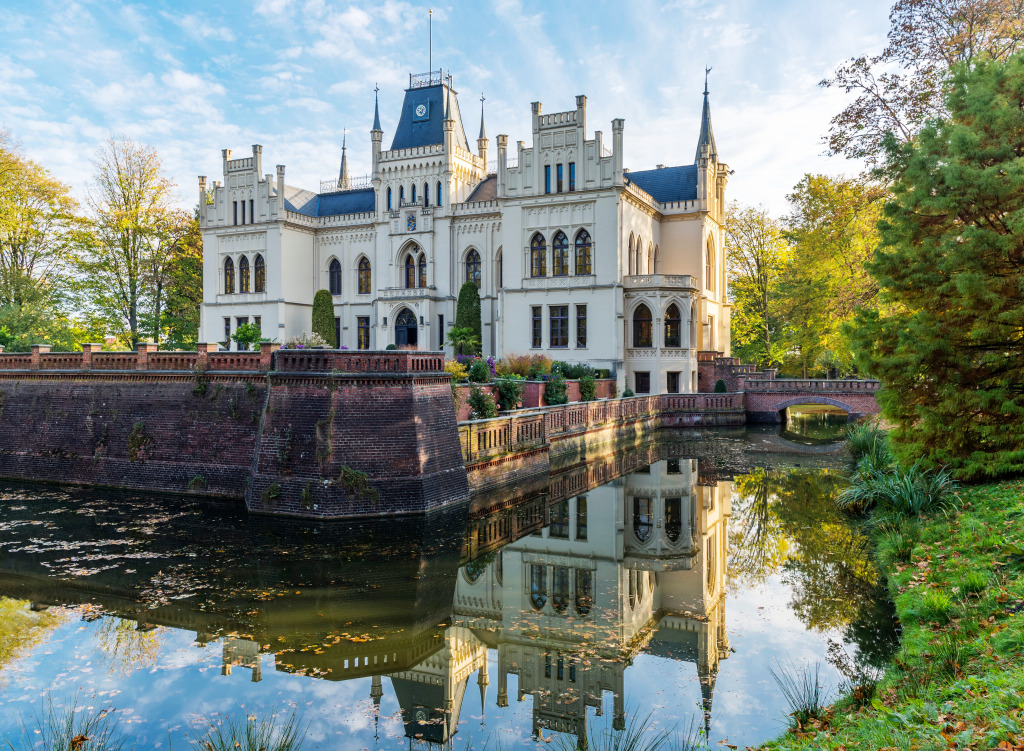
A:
(277, 439)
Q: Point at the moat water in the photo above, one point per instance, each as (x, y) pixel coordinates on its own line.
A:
(665, 593)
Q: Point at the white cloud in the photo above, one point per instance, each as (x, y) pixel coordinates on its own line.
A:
(199, 27)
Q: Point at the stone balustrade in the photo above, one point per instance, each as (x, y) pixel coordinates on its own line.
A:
(812, 385)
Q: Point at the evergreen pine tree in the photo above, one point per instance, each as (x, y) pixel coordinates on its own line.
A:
(323, 317)
(467, 313)
(947, 340)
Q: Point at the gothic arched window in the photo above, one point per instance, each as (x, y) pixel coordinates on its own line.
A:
(538, 586)
(643, 519)
(364, 276)
(583, 260)
(243, 274)
(673, 519)
(642, 327)
(710, 266)
(229, 276)
(410, 271)
(673, 327)
(439, 193)
(389, 199)
(334, 277)
(401, 196)
(657, 259)
(560, 588)
(423, 269)
(631, 267)
(259, 268)
(426, 194)
(473, 267)
(584, 591)
(560, 255)
(501, 270)
(414, 192)
(538, 256)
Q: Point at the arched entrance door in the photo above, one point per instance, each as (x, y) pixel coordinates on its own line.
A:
(405, 329)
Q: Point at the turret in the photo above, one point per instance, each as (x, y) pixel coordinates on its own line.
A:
(202, 200)
(280, 191)
(502, 162)
(617, 127)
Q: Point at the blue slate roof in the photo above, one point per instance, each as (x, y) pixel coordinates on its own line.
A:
(308, 203)
(413, 132)
(667, 184)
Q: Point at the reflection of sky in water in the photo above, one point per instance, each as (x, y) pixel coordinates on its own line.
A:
(182, 679)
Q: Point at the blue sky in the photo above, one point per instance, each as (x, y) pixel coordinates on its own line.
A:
(192, 78)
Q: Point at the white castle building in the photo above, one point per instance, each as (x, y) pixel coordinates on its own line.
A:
(576, 257)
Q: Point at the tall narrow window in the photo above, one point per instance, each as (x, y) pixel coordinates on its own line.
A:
(560, 255)
(536, 323)
(414, 192)
(227, 333)
(234, 205)
(710, 266)
(410, 271)
(538, 585)
(242, 321)
(643, 519)
(560, 596)
(672, 381)
(259, 268)
(440, 332)
(229, 276)
(439, 193)
(473, 267)
(389, 199)
(547, 178)
(559, 325)
(243, 274)
(559, 526)
(364, 276)
(501, 270)
(423, 269)
(673, 327)
(363, 332)
(642, 382)
(572, 176)
(334, 277)
(538, 256)
(583, 259)
(631, 268)
(581, 518)
(252, 212)
(243, 212)
(584, 591)
(401, 196)
(581, 326)
(337, 331)
(558, 179)
(426, 194)
(642, 329)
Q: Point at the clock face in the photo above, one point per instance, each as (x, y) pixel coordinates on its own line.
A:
(421, 110)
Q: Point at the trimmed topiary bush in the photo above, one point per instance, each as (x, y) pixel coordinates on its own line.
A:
(323, 317)
(467, 315)
(720, 387)
(588, 388)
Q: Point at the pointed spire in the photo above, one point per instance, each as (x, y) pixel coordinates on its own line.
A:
(447, 104)
(483, 131)
(343, 181)
(376, 108)
(707, 135)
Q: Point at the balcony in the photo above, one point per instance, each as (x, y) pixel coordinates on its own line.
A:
(661, 353)
(653, 281)
(407, 293)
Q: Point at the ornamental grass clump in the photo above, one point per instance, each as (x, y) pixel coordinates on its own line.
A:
(803, 690)
(248, 734)
(895, 494)
(71, 728)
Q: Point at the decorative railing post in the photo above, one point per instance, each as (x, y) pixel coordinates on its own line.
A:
(37, 350)
(142, 351)
(203, 351)
(267, 350)
(87, 351)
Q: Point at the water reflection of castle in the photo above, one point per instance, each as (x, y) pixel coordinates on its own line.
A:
(635, 565)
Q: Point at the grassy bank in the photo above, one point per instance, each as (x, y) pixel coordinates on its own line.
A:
(957, 578)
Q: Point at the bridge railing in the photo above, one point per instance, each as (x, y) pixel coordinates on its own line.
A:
(812, 385)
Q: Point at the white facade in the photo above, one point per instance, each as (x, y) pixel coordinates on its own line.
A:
(655, 241)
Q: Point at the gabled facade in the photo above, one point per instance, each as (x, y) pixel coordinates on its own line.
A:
(576, 257)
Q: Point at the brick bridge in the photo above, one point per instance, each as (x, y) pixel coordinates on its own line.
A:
(766, 397)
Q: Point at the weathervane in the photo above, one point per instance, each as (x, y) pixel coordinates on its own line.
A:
(706, 71)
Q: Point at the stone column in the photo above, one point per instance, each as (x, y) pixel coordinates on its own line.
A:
(37, 350)
(142, 355)
(267, 350)
(203, 350)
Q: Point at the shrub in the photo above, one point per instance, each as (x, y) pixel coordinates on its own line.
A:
(305, 341)
(391, 346)
(720, 387)
(540, 366)
(573, 370)
(556, 391)
(463, 340)
(479, 371)
(510, 390)
(458, 373)
(248, 334)
(323, 317)
(588, 388)
(467, 313)
(482, 404)
(627, 392)
(898, 493)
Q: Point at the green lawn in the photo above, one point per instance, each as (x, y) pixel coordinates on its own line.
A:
(958, 680)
